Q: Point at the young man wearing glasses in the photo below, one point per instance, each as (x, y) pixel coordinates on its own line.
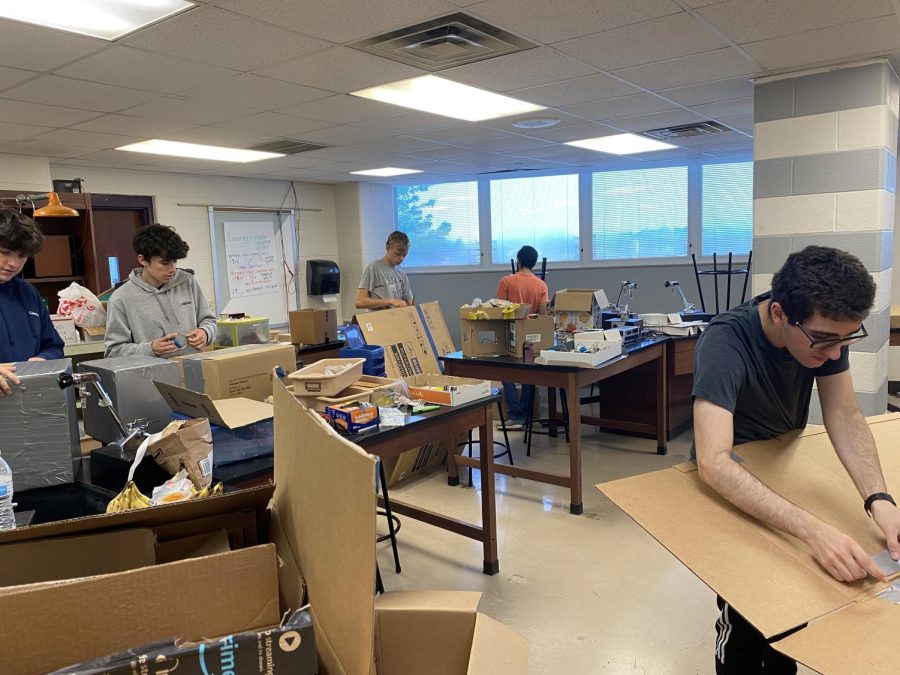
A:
(753, 377)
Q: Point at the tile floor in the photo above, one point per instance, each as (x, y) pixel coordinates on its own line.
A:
(592, 593)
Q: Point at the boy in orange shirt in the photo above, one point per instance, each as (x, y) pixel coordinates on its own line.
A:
(524, 288)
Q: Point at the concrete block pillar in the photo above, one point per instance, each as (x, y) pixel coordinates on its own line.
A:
(824, 173)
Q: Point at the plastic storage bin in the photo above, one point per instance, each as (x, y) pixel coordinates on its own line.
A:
(247, 331)
(358, 349)
(315, 381)
(366, 388)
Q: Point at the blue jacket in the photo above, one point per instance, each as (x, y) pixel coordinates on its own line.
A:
(25, 327)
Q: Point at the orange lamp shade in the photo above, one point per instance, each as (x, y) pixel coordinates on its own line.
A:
(54, 208)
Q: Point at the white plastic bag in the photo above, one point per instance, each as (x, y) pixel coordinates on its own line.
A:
(82, 305)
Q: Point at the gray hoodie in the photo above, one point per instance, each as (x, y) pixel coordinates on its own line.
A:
(138, 313)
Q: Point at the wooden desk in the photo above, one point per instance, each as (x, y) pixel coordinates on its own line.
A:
(572, 379)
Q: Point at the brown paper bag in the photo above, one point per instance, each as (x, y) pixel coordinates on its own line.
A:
(186, 444)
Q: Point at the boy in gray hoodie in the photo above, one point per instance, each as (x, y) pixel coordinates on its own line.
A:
(160, 306)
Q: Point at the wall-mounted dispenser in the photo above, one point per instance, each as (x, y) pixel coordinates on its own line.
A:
(323, 277)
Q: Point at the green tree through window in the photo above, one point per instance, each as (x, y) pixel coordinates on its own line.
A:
(441, 221)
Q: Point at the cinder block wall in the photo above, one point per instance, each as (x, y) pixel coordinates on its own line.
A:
(825, 173)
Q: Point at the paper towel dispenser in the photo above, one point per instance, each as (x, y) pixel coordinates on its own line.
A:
(323, 277)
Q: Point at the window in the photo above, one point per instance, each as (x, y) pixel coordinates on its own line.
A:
(727, 208)
(641, 213)
(441, 221)
(540, 212)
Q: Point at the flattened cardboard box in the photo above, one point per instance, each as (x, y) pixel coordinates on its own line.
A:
(770, 577)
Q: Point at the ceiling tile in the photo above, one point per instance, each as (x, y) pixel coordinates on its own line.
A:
(35, 48)
(339, 20)
(51, 89)
(180, 109)
(715, 65)
(340, 109)
(551, 22)
(138, 69)
(522, 69)
(45, 149)
(710, 92)
(753, 20)
(398, 144)
(22, 112)
(274, 123)
(108, 158)
(340, 69)
(445, 153)
(342, 154)
(463, 134)
(626, 106)
(733, 108)
(513, 143)
(9, 77)
(131, 126)
(657, 120)
(704, 141)
(18, 132)
(300, 160)
(409, 123)
(577, 90)
(647, 42)
(341, 135)
(506, 123)
(741, 122)
(87, 139)
(212, 35)
(574, 133)
(256, 92)
(827, 46)
(229, 138)
(701, 3)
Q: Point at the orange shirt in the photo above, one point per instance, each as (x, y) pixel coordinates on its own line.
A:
(524, 289)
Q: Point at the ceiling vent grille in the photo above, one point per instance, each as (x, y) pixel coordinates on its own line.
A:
(448, 41)
(287, 146)
(686, 131)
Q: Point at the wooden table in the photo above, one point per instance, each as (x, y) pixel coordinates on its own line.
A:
(572, 379)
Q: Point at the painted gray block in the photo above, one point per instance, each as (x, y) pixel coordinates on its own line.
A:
(890, 173)
(868, 169)
(878, 325)
(873, 403)
(773, 100)
(869, 247)
(769, 253)
(773, 177)
(842, 89)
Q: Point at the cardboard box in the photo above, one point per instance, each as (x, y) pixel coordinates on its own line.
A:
(458, 390)
(313, 326)
(540, 331)
(484, 337)
(578, 308)
(322, 521)
(766, 575)
(353, 417)
(241, 427)
(419, 461)
(413, 338)
(487, 312)
(39, 427)
(237, 371)
(129, 382)
(65, 326)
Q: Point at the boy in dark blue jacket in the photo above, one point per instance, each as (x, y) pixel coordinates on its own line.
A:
(26, 332)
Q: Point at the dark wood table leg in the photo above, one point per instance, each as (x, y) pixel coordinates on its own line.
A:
(572, 395)
(662, 403)
(488, 503)
(452, 468)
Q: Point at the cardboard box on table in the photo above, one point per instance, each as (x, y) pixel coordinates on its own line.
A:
(413, 338)
(577, 309)
(237, 371)
(770, 577)
(313, 326)
(39, 427)
(321, 521)
(505, 337)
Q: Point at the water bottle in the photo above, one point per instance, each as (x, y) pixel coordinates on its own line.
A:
(7, 517)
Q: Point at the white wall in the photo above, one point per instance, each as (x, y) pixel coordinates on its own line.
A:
(25, 174)
(317, 229)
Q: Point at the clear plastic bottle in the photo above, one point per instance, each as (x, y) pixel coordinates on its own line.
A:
(7, 517)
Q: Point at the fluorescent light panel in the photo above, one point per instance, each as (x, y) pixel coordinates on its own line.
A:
(385, 171)
(621, 144)
(104, 19)
(433, 94)
(156, 146)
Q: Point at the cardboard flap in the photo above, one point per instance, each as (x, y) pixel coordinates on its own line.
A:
(231, 413)
(413, 628)
(497, 649)
(191, 600)
(577, 299)
(325, 501)
(72, 557)
(859, 638)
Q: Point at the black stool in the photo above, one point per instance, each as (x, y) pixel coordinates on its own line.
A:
(529, 420)
(392, 521)
(505, 444)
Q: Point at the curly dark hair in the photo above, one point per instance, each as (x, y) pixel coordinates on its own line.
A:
(825, 280)
(19, 233)
(159, 240)
(527, 257)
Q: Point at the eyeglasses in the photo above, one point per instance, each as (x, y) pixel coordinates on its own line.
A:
(828, 343)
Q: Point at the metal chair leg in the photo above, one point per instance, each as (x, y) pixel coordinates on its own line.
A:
(379, 584)
(505, 436)
(390, 516)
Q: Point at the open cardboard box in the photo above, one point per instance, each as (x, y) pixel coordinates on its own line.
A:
(231, 413)
(770, 577)
(321, 519)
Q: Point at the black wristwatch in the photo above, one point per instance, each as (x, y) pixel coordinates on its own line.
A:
(871, 499)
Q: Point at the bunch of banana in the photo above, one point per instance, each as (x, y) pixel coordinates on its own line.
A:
(206, 492)
(129, 498)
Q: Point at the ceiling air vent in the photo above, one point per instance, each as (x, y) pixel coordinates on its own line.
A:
(451, 40)
(287, 146)
(686, 131)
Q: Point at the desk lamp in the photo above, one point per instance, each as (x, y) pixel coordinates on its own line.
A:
(54, 208)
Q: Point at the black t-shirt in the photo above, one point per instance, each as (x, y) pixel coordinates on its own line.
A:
(766, 388)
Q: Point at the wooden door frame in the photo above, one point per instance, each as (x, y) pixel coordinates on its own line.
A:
(105, 202)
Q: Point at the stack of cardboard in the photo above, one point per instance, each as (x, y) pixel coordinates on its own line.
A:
(502, 331)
